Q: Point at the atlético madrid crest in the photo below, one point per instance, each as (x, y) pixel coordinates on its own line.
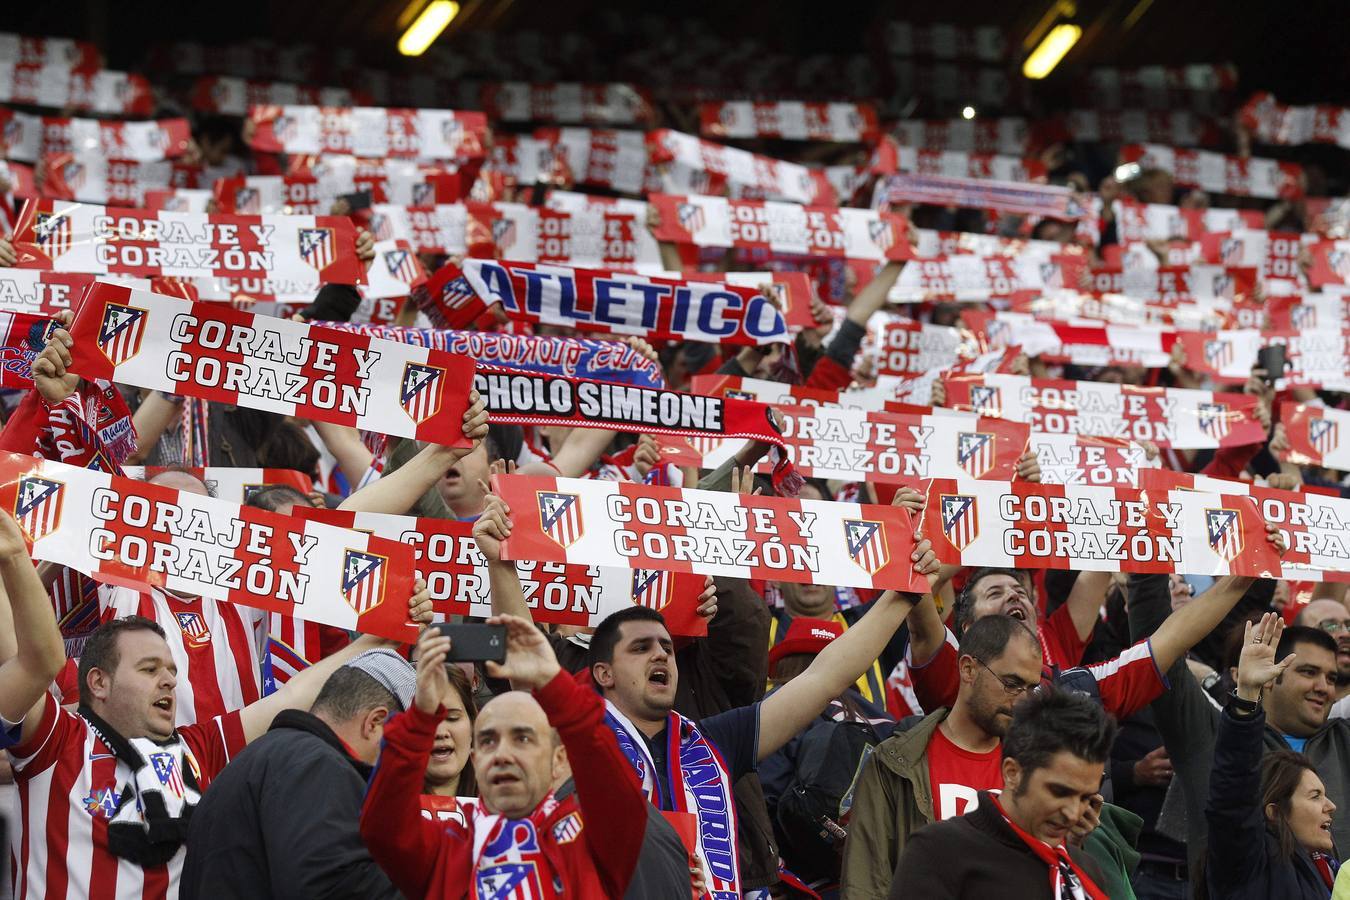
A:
(318, 247)
(1323, 435)
(986, 400)
(960, 521)
(560, 517)
(651, 588)
(867, 544)
(121, 331)
(363, 580)
(975, 452)
(37, 506)
(420, 391)
(1224, 529)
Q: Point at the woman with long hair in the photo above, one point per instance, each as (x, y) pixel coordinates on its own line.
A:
(449, 777)
(1269, 820)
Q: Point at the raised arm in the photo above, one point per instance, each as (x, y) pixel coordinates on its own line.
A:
(344, 442)
(1233, 816)
(1086, 599)
(577, 454)
(613, 807)
(156, 413)
(399, 491)
(299, 692)
(788, 710)
(31, 647)
(1184, 628)
(404, 843)
(491, 528)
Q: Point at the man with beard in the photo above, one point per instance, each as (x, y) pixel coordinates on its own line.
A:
(1332, 617)
(936, 769)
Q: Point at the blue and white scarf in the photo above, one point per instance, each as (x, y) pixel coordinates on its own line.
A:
(699, 783)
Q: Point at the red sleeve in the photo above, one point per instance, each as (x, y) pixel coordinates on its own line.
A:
(937, 681)
(1230, 462)
(828, 374)
(1061, 636)
(214, 743)
(23, 432)
(56, 726)
(404, 844)
(613, 808)
(1129, 682)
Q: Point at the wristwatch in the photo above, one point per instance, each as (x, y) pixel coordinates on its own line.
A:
(1243, 709)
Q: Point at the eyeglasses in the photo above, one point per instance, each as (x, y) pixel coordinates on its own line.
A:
(1331, 626)
(1012, 686)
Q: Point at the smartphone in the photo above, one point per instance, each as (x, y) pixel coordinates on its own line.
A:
(357, 200)
(1271, 358)
(473, 642)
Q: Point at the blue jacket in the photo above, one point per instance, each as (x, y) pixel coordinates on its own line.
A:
(1244, 861)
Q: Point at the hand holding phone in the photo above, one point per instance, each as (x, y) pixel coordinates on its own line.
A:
(474, 642)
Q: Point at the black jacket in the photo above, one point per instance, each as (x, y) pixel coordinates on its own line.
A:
(283, 820)
(1244, 857)
(976, 856)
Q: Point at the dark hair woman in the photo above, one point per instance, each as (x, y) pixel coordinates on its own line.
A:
(1269, 820)
(450, 768)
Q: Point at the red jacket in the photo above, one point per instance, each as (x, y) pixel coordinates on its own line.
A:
(436, 859)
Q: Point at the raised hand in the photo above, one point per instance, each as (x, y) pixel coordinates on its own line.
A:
(432, 680)
(707, 599)
(743, 481)
(1256, 663)
(475, 425)
(1028, 467)
(493, 526)
(926, 562)
(54, 383)
(419, 604)
(647, 455)
(530, 661)
(365, 247)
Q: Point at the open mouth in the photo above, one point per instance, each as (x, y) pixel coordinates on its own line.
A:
(503, 779)
(660, 677)
(1017, 611)
(164, 703)
(1326, 826)
(443, 753)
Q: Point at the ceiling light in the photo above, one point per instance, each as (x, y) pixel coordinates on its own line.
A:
(968, 112)
(1051, 50)
(427, 27)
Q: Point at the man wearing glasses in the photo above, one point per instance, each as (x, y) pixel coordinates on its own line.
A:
(1332, 617)
(932, 772)
(935, 770)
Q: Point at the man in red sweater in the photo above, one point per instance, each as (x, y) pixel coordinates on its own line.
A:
(524, 839)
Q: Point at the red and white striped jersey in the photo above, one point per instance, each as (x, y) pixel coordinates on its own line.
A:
(214, 644)
(69, 782)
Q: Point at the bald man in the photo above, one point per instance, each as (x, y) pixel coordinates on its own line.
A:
(1332, 617)
(582, 840)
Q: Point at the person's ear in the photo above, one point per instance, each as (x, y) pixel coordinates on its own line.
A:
(99, 682)
(1012, 775)
(1272, 812)
(603, 673)
(560, 766)
(373, 722)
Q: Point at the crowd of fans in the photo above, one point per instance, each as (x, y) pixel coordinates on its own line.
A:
(1008, 733)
